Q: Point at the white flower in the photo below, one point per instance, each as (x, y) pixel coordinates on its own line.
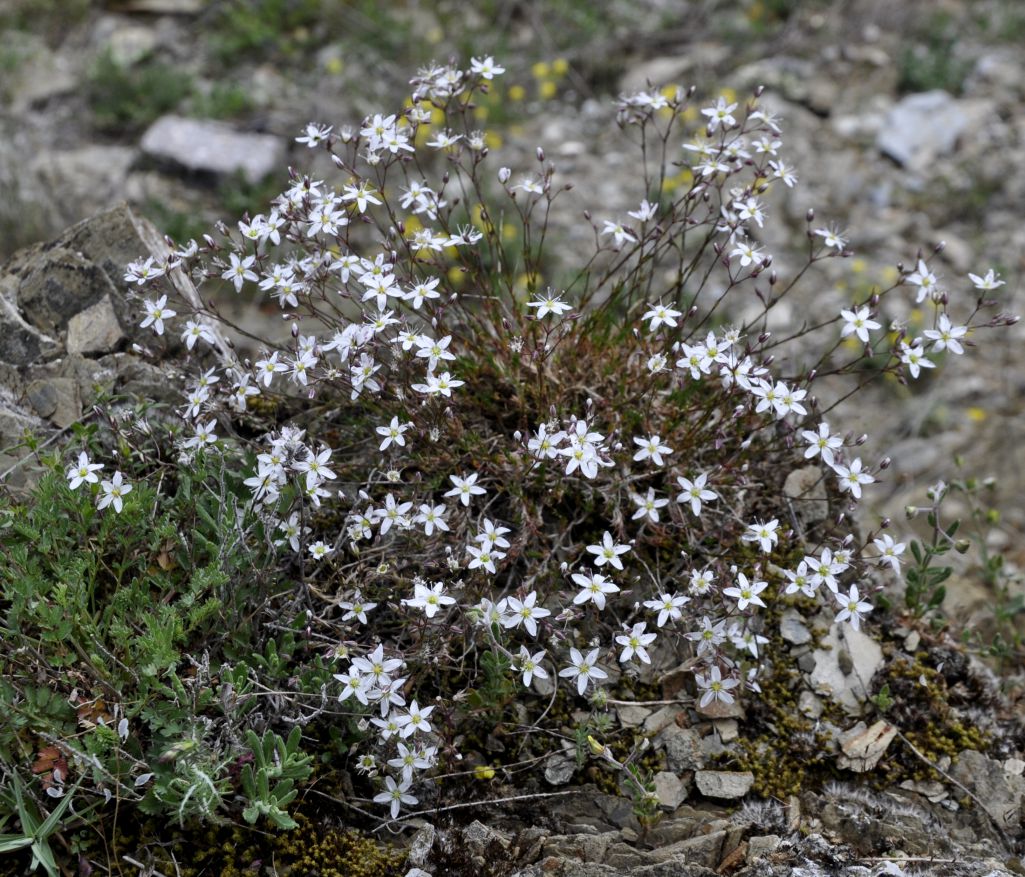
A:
(524, 612)
(194, 331)
(395, 794)
(660, 314)
(487, 68)
(431, 517)
(620, 234)
(889, 551)
(652, 448)
(720, 114)
(465, 488)
(319, 550)
(745, 592)
(668, 607)
(393, 433)
(83, 471)
(764, 534)
(648, 506)
(821, 443)
(608, 552)
(113, 492)
(695, 492)
(593, 587)
(430, 599)
(714, 687)
(415, 720)
(240, 271)
(946, 336)
(857, 323)
(549, 304)
(635, 642)
(852, 608)
(583, 669)
(156, 313)
(851, 477)
(530, 666)
(988, 282)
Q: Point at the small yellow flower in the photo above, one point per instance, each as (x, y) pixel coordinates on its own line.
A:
(483, 772)
(548, 90)
(540, 70)
(560, 66)
(517, 93)
(977, 415)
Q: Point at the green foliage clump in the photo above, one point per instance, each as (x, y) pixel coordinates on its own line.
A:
(124, 100)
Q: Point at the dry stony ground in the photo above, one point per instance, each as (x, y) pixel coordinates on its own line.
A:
(905, 122)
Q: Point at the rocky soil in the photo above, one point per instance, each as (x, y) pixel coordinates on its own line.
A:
(906, 123)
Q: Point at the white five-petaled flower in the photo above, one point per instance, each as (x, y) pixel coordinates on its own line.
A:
(156, 313)
(524, 612)
(240, 271)
(393, 433)
(429, 599)
(889, 549)
(648, 506)
(549, 304)
(319, 550)
(720, 113)
(660, 314)
(924, 279)
(194, 331)
(395, 794)
(857, 323)
(695, 492)
(465, 488)
(764, 534)
(651, 448)
(530, 665)
(608, 551)
(584, 669)
(83, 471)
(913, 356)
(635, 642)
(487, 68)
(831, 238)
(668, 606)
(852, 608)
(988, 282)
(821, 443)
(946, 336)
(203, 436)
(852, 477)
(593, 588)
(619, 233)
(745, 592)
(714, 687)
(432, 517)
(114, 492)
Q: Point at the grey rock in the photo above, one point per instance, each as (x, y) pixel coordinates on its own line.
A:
(59, 283)
(724, 783)
(719, 710)
(671, 790)
(632, 716)
(793, 629)
(583, 847)
(762, 845)
(660, 720)
(559, 769)
(845, 665)
(727, 729)
(420, 846)
(805, 490)
(56, 400)
(1001, 793)
(861, 747)
(20, 343)
(703, 849)
(809, 704)
(682, 747)
(921, 127)
(96, 329)
(479, 837)
(210, 147)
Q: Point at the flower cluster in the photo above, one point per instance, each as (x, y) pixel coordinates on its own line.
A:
(579, 482)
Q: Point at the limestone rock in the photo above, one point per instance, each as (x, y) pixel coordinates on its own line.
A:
(682, 747)
(724, 783)
(845, 665)
(805, 490)
(96, 329)
(921, 127)
(209, 147)
(671, 790)
(793, 629)
(559, 769)
(861, 747)
(1001, 793)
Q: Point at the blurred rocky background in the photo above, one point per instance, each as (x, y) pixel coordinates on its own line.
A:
(904, 121)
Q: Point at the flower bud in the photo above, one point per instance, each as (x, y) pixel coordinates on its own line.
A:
(810, 215)
(910, 511)
(540, 154)
(503, 175)
(885, 463)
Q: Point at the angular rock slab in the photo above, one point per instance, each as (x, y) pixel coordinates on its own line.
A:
(844, 667)
(209, 147)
